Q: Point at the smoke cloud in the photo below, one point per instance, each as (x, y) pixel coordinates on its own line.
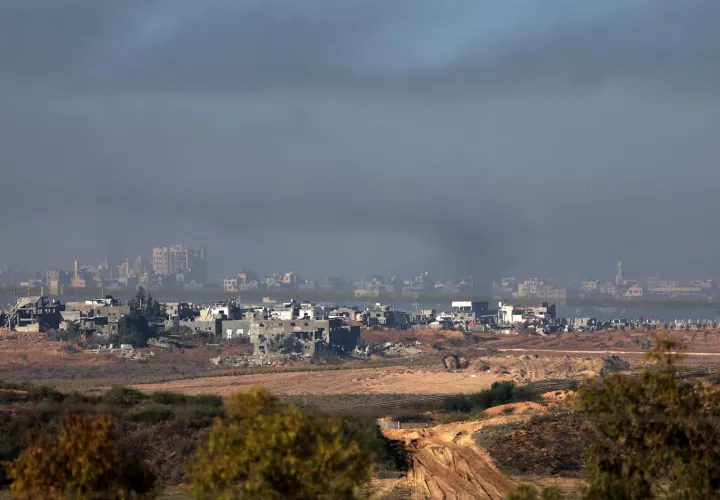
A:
(345, 138)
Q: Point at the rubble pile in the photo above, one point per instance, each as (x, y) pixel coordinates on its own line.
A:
(244, 361)
(390, 349)
(132, 354)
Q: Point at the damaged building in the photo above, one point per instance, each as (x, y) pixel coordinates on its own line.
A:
(304, 336)
(385, 316)
(464, 311)
(34, 314)
(96, 315)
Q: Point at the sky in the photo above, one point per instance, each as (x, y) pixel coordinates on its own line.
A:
(463, 137)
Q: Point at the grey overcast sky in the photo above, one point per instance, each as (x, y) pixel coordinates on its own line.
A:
(549, 137)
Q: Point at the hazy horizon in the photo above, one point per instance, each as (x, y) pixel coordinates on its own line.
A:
(348, 138)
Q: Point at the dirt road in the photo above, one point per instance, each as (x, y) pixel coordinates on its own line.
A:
(446, 462)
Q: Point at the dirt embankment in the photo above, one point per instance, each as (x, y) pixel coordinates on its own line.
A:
(447, 463)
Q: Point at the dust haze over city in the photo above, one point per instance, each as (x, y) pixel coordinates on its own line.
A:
(357, 137)
(381, 249)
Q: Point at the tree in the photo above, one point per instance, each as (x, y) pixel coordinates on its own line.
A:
(289, 344)
(84, 460)
(657, 434)
(264, 449)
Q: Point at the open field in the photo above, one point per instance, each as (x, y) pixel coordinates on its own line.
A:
(491, 357)
(481, 373)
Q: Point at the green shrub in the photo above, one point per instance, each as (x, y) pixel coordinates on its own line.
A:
(125, 396)
(45, 393)
(152, 413)
(207, 400)
(457, 403)
(657, 434)
(196, 416)
(168, 398)
(264, 449)
(366, 432)
(500, 393)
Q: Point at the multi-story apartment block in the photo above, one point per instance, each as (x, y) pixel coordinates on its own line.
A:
(180, 259)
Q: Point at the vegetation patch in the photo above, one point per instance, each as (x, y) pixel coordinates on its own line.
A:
(500, 393)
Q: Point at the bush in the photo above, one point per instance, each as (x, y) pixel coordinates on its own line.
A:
(152, 414)
(366, 432)
(123, 396)
(45, 393)
(263, 449)
(168, 398)
(26, 391)
(500, 393)
(207, 400)
(657, 434)
(457, 403)
(84, 460)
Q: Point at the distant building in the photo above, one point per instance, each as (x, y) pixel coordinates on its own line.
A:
(634, 291)
(508, 314)
(538, 289)
(367, 292)
(61, 277)
(300, 336)
(507, 285)
(180, 259)
(675, 290)
(230, 284)
(468, 310)
(619, 277)
(387, 316)
(608, 289)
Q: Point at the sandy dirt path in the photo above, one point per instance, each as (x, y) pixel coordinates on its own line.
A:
(448, 464)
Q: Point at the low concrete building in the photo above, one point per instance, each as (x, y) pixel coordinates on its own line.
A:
(306, 336)
(512, 314)
(468, 311)
(112, 313)
(184, 310)
(387, 316)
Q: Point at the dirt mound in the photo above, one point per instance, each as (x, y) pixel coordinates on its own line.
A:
(545, 446)
(524, 368)
(557, 395)
(447, 463)
(427, 337)
(514, 408)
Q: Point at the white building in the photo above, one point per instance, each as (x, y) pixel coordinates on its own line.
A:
(509, 314)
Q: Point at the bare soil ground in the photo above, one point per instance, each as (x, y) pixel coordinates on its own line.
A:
(398, 380)
(447, 462)
(704, 343)
(394, 380)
